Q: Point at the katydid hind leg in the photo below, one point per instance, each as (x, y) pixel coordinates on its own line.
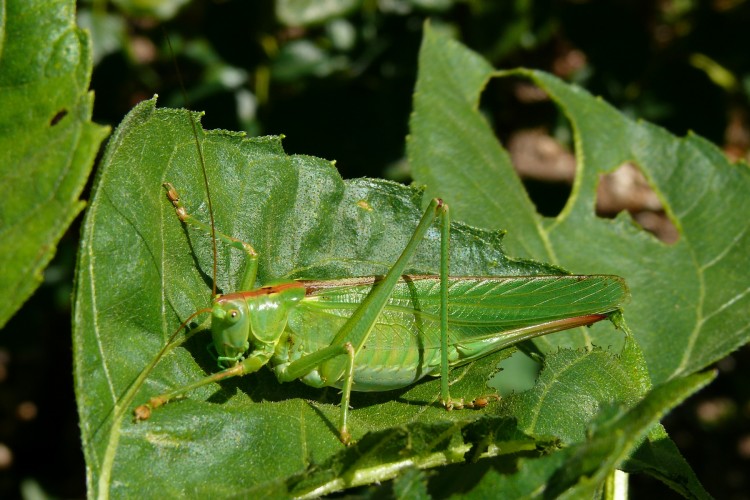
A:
(448, 402)
(445, 232)
(357, 327)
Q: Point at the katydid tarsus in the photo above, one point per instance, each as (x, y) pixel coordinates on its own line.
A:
(384, 333)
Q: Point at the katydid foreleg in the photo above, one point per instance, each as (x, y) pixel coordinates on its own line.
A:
(251, 267)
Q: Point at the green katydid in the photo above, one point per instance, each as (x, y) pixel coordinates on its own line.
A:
(384, 333)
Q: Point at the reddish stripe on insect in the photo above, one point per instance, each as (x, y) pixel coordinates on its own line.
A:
(264, 290)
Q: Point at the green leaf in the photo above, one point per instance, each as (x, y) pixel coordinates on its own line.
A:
(690, 299)
(312, 12)
(383, 454)
(47, 142)
(140, 274)
(658, 456)
(615, 439)
(411, 485)
(580, 471)
(575, 387)
(161, 9)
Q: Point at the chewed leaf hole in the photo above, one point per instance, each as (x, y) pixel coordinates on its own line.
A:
(546, 168)
(518, 373)
(626, 188)
(58, 117)
(537, 137)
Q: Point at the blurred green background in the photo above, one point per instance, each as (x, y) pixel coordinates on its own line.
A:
(336, 79)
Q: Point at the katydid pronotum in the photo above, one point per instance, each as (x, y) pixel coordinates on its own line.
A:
(384, 333)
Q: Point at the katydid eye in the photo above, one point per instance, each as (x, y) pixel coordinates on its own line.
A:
(234, 313)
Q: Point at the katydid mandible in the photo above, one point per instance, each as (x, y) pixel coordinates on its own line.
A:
(379, 334)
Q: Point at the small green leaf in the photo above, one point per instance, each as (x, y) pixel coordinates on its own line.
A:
(575, 387)
(312, 12)
(161, 9)
(616, 439)
(384, 454)
(47, 141)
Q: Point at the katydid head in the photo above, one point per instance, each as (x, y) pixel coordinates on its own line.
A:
(254, 319)
(230, 327)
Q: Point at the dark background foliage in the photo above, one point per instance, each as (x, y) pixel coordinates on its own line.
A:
(339, 86)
